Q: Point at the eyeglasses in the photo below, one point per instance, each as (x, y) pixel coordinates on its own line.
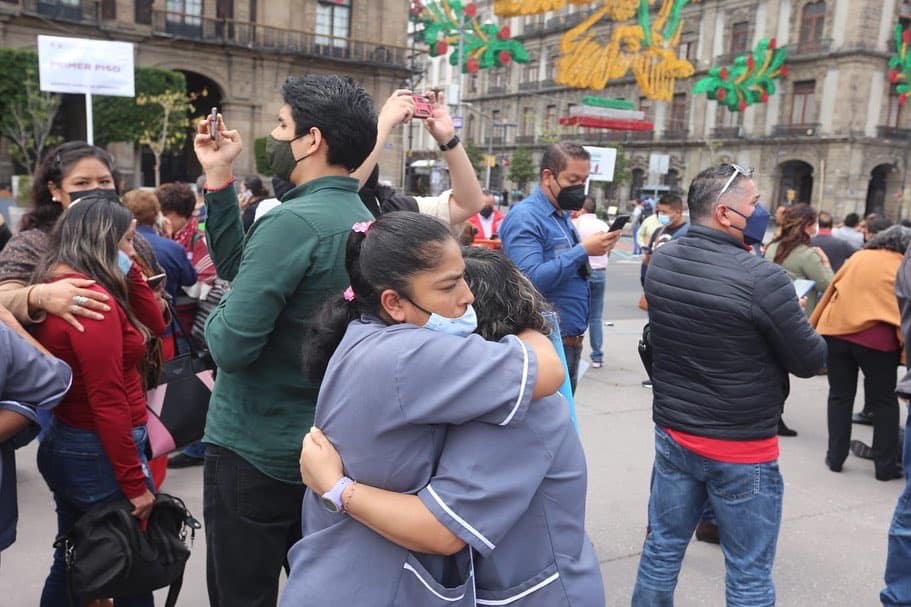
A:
(738, 170)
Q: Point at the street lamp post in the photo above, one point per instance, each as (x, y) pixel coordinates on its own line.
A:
(493, 126)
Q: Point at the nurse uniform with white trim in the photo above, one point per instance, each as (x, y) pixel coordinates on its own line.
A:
(386, 402)
(517, 496)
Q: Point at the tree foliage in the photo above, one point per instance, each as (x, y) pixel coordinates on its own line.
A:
(476, 156)
(26, 114)
(522, 168)
(124, 118)
(170, 131)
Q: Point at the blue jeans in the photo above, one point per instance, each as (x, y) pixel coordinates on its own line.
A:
(746, 500)
(80, 475)
(596, 282)
(898, 559)
(637, 250)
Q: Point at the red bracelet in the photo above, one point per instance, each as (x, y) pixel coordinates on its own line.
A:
(227, 184)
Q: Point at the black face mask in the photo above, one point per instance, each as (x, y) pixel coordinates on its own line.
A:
(572, 197)
(106, 193)
(486, 212)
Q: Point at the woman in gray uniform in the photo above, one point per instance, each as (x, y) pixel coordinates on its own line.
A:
(399, 365)
(516, 494)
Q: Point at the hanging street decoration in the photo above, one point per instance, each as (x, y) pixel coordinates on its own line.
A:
(607, 113)
(648, 48)
(900, 64)
(484, 45)
(749, 80)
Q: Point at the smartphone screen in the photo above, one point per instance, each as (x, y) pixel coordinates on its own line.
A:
(422, 107)
(155, 281)
(619, 223)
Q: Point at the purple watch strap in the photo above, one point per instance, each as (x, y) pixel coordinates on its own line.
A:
(334, 495)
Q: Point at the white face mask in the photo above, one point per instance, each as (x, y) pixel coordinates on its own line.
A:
(463, 326)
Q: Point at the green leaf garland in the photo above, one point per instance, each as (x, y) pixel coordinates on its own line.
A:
(749, 80)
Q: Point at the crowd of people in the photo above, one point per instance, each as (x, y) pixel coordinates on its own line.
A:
(351, 427)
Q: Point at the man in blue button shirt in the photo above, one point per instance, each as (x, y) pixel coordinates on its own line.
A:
(539, 237)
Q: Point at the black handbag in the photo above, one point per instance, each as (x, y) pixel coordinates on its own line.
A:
(108, 555)
(178, 405)
(645, 349)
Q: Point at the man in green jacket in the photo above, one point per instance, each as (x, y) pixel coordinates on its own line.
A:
(291, 261)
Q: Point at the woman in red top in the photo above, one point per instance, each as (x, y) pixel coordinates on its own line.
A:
(94, 448)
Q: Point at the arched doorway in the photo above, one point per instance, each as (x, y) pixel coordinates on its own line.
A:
(795, 182)
(182, 165)
(637, 180)
(883, 181)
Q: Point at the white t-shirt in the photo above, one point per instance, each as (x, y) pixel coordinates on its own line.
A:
(436, 206)
(587, 225)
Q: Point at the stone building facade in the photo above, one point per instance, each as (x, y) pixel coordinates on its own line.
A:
(833, 135)
(238, 52)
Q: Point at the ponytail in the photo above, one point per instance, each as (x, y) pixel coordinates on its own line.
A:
(383, 255)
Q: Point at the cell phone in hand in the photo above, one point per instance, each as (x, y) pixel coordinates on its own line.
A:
(155, 281)
(213, 126)
(422, 107)
(619, 222)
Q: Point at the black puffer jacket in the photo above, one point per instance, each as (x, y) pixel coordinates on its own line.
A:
(726, 331)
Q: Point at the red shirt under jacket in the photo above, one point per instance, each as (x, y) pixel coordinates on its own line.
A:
(107, 396)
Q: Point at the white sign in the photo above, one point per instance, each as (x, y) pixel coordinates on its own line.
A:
(658, 164)
(90, 67)
(457, 122)
(602, 163)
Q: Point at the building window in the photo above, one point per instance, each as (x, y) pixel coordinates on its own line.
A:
(812, 24)
(645, 106)
(184, 17)
(333, 22)
(687, 48)
(471, 129)
(550, 119)
(637, 180)
(803, 102)
(553, 54)
(740, 38)
(730, 119)
(143, 12)
(677, 121)
(530, 70)
(473, 83)
(895, 111)
(109, 9)
(253, 10)
(527, 122)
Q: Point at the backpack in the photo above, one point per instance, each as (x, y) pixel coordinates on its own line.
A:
(108, 555)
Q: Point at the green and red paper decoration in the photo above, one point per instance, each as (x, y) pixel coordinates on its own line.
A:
(607, 113)
(749, 80)
(485, 45)
(900, 64)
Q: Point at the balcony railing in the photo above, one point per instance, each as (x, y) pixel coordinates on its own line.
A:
(640, 135)
(496, 89)
(796, 130)
(727, 132)
(273, 39)
(533, 28)
(529, 85)
(675, 134)
(810, 47)
(520, 139)
(82, 11)
(893, 132)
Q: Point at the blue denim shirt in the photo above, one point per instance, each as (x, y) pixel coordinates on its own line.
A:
(543, 243)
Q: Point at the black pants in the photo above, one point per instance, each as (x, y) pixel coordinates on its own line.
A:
(252, 520)
(573, 354)
(879, 369)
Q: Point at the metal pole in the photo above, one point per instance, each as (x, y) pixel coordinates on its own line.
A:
(461, 61)
(493, 125)
(89, 121)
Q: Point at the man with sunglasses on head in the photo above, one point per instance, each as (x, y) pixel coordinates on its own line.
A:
(539, 237)
(726, 331)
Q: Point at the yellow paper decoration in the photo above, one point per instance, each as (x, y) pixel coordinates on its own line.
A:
(516, 8)
(585, 63)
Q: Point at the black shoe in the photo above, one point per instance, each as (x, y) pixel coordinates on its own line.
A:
(783, 429)
(831, 466)
(708, 533)
(861, 449)
(863, 418)
(647, 384)
(182, 460)
(890, 474)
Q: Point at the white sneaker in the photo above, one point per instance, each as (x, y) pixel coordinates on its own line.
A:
(597, 364)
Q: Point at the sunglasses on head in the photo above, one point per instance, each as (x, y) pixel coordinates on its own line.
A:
(738, 170)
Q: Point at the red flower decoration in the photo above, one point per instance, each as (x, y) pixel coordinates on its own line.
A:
(721, 94)
(903, 99)
(504, 33)
(751, 63)
(471, 10)
(764, 97)
(784, 71)
(473, 66)
(742, 105)
(906, 36)
(504, 57)
(441, 47)
(893, 76)
(723, 74)
(773, 44)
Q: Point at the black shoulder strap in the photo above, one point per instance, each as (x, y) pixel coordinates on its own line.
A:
(174, 590)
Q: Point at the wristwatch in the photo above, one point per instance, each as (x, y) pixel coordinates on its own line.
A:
(445, 147)
(332, 499)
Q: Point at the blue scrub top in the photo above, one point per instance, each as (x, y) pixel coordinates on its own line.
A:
(386, 403)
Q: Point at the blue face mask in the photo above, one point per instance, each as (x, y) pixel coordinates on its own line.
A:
(463, 326)
(754, 230)
(124, 262)
(663, 219)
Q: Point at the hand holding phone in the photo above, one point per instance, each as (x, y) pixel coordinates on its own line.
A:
(423, 108)
(619, 223)
(155, 281)
(213, 126)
